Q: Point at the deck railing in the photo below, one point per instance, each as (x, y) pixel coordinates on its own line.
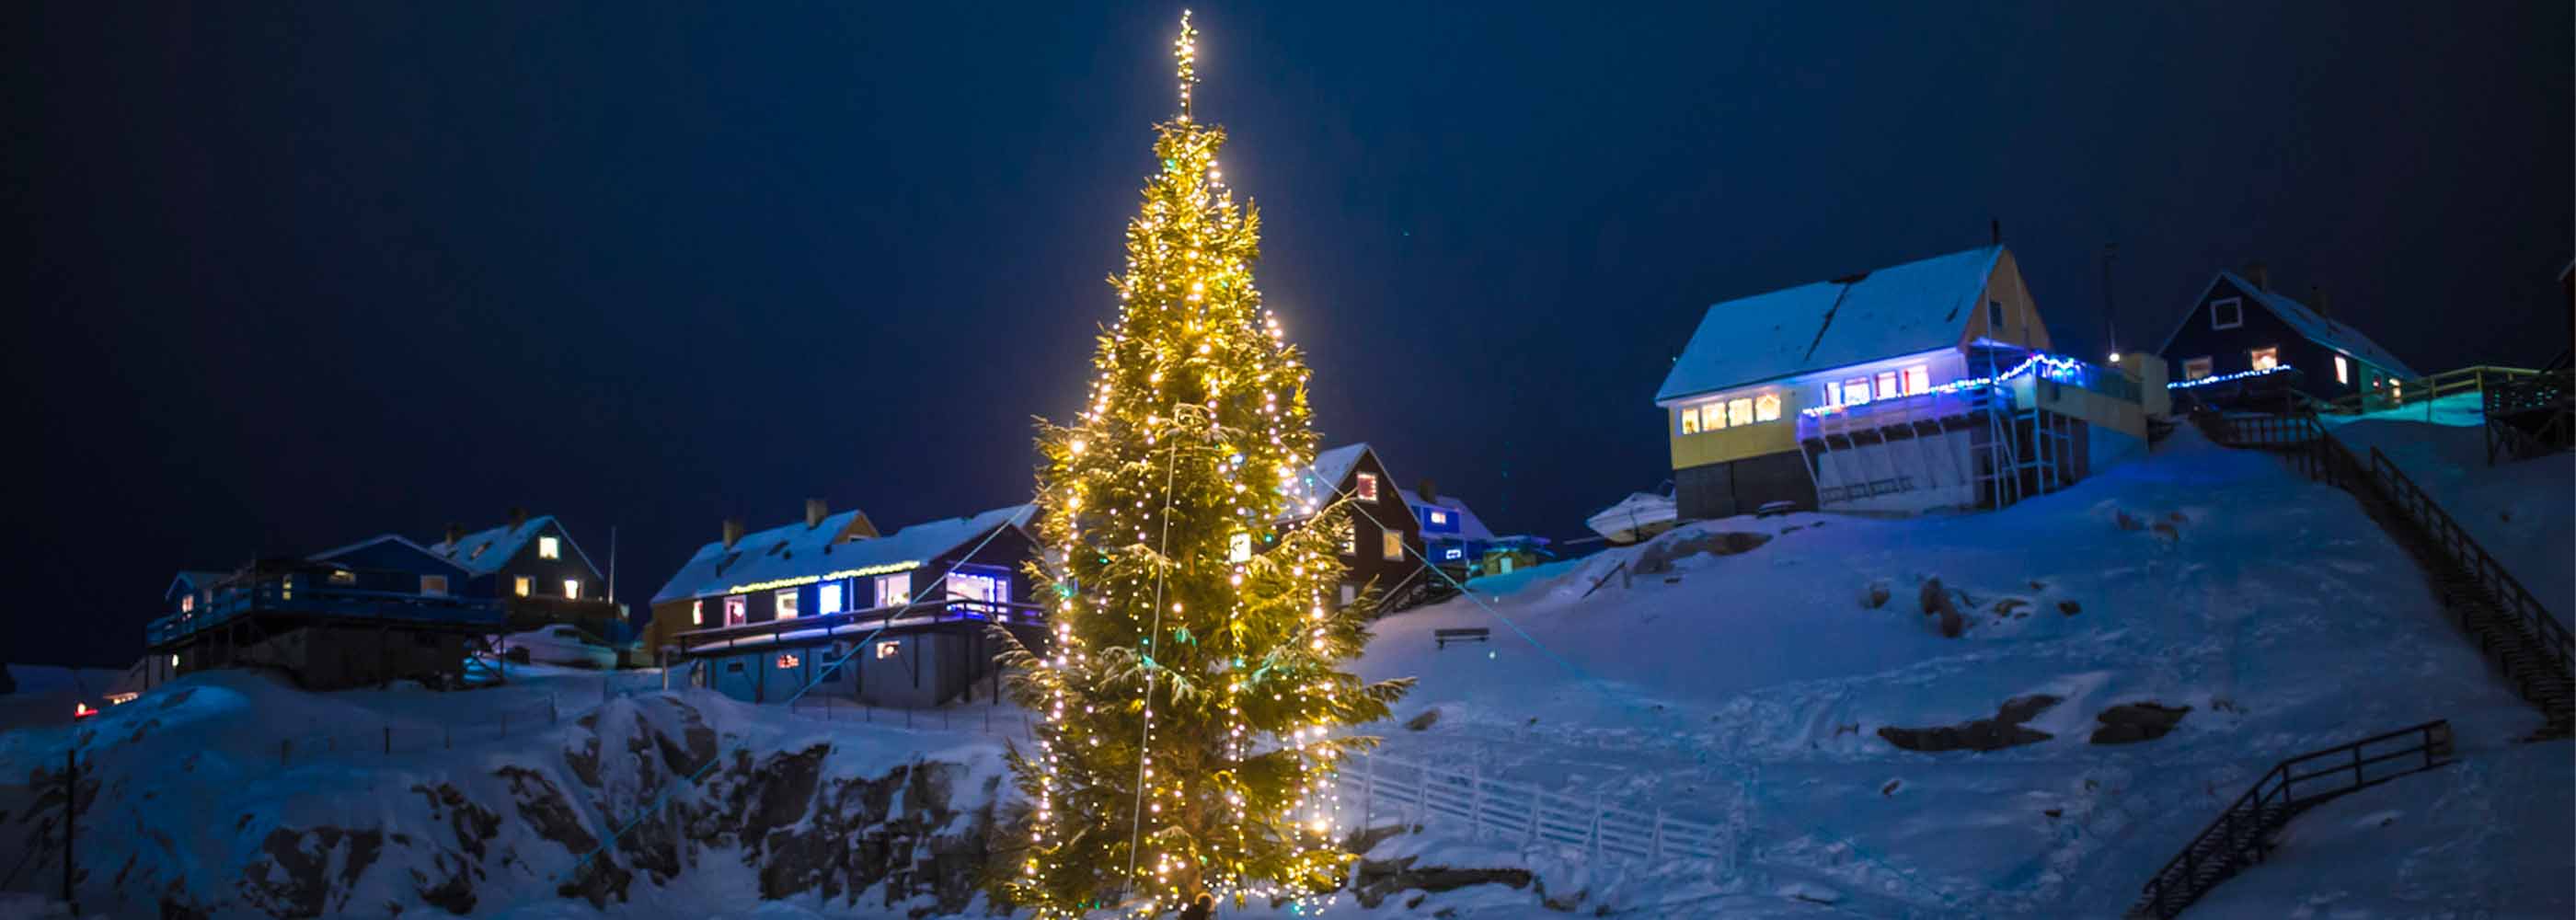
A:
(2401, 393)
(280, 596)
(2557, 647)
(829, 626)
(1374, 787)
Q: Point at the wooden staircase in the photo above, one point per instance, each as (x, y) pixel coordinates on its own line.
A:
(2242, 835)
(2531, 648)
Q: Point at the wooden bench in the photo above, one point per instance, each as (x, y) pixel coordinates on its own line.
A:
(1446, 636)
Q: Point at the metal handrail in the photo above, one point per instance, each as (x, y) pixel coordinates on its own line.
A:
(320, 600)
(2519, 603)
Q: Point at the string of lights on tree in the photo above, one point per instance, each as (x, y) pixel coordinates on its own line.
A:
(1193, 690)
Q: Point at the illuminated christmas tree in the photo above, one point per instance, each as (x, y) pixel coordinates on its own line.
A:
(1193, 694)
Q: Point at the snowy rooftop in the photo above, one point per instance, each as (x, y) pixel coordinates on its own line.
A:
(797, 551)
(1470, 527)
(2317, 327)
(1914, 307)
(484, 552)
(1324, 477)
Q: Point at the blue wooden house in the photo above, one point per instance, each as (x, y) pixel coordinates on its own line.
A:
(1452, 535)
(540, 576)
(2241, 336)
(370, 612)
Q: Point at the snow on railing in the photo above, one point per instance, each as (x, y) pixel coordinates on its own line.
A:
(1373, 786)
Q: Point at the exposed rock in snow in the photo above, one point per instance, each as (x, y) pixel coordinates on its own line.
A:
(2133, 722)
(2003, 731)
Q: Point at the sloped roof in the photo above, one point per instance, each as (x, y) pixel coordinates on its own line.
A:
(1915, 307)
(194, 579)
(1470, 527)
(2308, 323)
(1324, 476)
(498, 545)
(398, 539)
(797, 551)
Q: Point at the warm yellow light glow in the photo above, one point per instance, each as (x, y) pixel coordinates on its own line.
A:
(800, 581)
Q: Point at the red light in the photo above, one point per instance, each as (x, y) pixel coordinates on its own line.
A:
(82, 711)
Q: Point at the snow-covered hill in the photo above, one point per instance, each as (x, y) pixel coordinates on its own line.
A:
(1751, 688)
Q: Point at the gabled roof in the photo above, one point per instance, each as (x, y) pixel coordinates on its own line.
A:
(397, 539)
(2308, 323)
(797, 551)
(1470, 527)
(194, 579)
(1905, 309)
(1323, 479)
(484, 552)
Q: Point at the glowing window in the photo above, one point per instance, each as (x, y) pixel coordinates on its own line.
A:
(698, 612)
(1739, 412)
(2226, 314)
(735, 610)
(1391, 544)
(1351, 543)
(2195, 368)
(889, 649)
(1766, 407)
(988, 592)
(549, 548)
(785, 603)
(1238, 548)
(894, 590)
(1366, 488)
(1712, 416)
(828, 597)
(1833, 393)
(1439, 517)
(2265, 359)
(572, 589)
(786, 661)
(1690, 419)
(2343, 370)
(522, 585)
(343, 577)
(187, 603)
(174, 661)
(1917, 379)
(1856, 390)
(1453, 553)
(433, 585)
(1504, 565)
(1887, 385)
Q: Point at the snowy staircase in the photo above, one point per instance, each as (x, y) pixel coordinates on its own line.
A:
(2242, 835)
(2531, 648)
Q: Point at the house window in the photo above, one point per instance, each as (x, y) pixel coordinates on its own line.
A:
(2343, 370)
(343, 577)
(1453, 553)
(1856, 390)
(1690, 419)
(1351, 542)
(2226, 314)
(787, 661)
(1503, 565)
(433, 585)
(523, 585)
(829, 597)
(2265, 359)
(1887, 385)
(572, 589)
(1766, 407)
(698, 612)
(1712, 416)
(985, 593)
(1367, 487)
(1350, 595)
(894, 590)
(785, 604)
(1238, 548)
(1917, 379)
(1440, 517)
(187, 603)
(735, 608)
(1833, 393)
(1739, 412)
(549, 548)
(887, 650)
(2195, 368)
(1391, 544)
(1994, 316)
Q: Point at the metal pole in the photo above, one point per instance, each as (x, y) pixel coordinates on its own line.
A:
(71, 815)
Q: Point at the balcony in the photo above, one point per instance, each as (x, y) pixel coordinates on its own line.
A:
(294, 598)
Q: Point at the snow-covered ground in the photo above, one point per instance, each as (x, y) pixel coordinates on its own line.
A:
(2519, 510)
(1748, 690)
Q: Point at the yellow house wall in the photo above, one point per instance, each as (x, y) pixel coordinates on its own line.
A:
(2022, 323)
(1735, 443)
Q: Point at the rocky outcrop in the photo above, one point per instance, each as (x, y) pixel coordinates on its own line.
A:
(1658, 556)
(2003, 731)
(1375, 880)
(2129, 723)
(304, 874)
(1936, 602)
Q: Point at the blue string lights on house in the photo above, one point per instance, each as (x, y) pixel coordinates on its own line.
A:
(2060, 369)
(2223, 378)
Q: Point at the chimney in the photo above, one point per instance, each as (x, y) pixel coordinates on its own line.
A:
(2259, 275)
(455, 535)
(1995, 229)
(732, 532)
(815, 512)
(518, 516)
(1427, 491)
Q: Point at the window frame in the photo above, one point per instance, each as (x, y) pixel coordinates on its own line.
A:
(1914, 379)
(885, 598)
(2343, 370)
(2202, 365)
(1833, 392)
(523, 585)
(785, 604)
(698, 611)
(1742, 402)
(1994, 315)
(1238, 547)
(1364, 486)
(1767, 406)
(829, 598)
(2254, 357)
(1689, 416)
(438, 590)
(2236, 304)
(549, 547)
(1390, 544)
(1861, 392)
(889, 648)
(572, 589)
(1887, 384)
(1712, 416)
(737, 609)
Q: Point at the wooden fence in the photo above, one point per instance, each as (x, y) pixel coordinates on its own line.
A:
(1376, 787)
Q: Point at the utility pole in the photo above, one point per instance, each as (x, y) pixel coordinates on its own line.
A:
(2110, 315)
(71, 813)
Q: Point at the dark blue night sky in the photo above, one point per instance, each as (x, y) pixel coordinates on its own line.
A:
(285, 278)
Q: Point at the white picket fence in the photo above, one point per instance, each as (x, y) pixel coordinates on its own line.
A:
(1377, 787)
